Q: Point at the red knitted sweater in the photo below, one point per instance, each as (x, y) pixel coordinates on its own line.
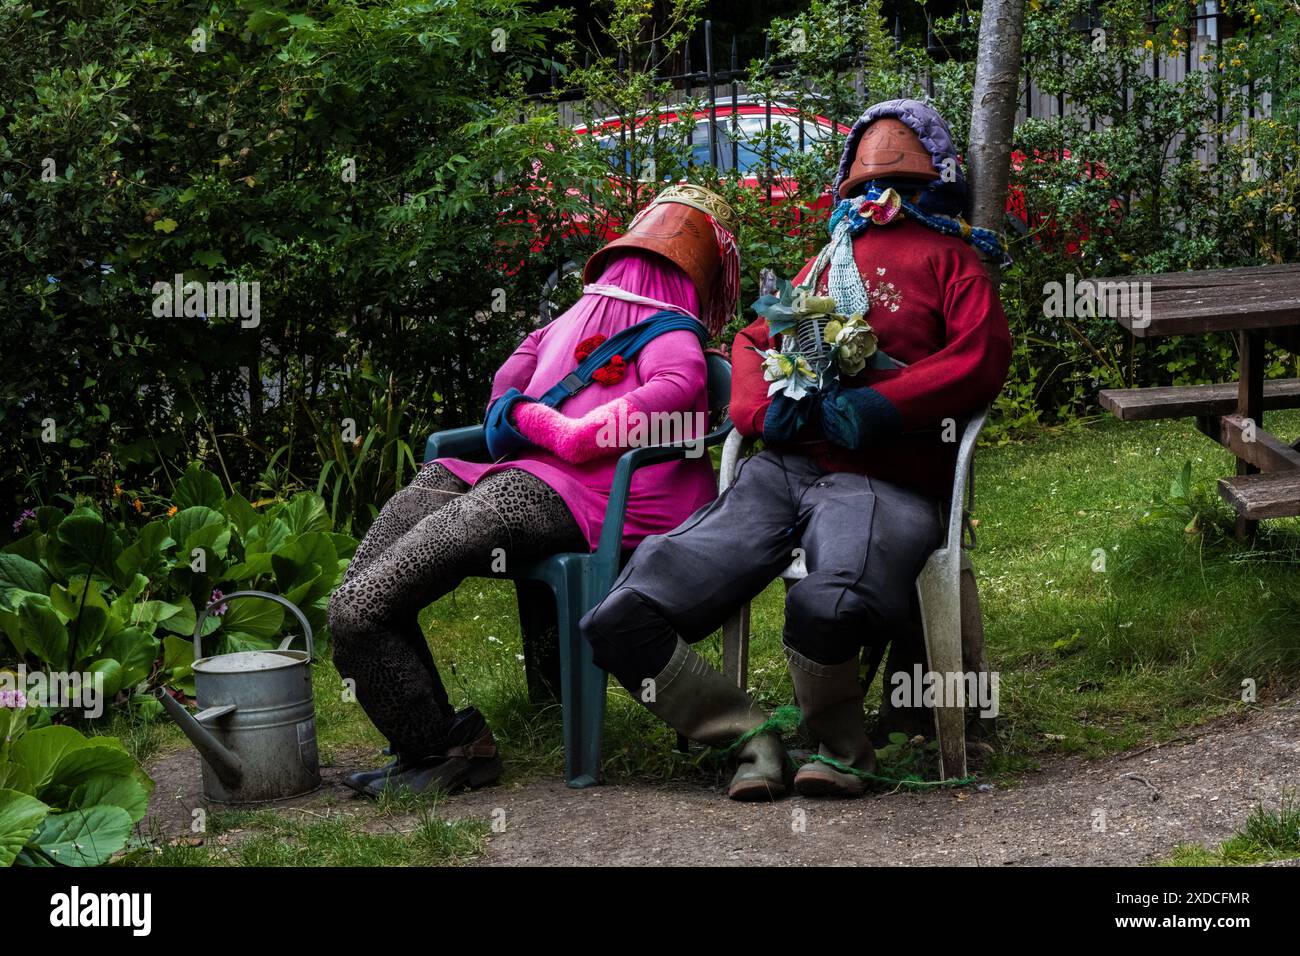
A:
(932, 307)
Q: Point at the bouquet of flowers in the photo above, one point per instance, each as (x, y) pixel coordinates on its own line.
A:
(818, 343)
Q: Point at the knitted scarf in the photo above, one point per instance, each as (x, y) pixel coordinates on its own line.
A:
(879, 204)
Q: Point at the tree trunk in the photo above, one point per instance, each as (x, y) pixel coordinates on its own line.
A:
(993, 110)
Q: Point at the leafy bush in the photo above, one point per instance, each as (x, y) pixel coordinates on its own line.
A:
(65, 799)
(1116, 187)
(80, 593)
(233, 163)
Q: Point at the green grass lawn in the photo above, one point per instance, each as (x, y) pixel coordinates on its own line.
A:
(405, 831)
(1166, 635)
(1091, 660)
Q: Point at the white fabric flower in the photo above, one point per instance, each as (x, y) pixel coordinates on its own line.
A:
(789, 374)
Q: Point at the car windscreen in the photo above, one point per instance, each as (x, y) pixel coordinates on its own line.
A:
(751, 136)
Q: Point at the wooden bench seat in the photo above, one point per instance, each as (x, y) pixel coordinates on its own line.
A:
(1275, 495)
(1180, 401)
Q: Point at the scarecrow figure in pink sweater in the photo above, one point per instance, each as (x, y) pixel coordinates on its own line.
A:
(547, 488)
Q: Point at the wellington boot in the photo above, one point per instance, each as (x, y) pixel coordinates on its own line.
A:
(695, 700)
(830, 698)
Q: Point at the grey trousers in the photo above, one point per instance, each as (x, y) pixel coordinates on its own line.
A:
(863, 540)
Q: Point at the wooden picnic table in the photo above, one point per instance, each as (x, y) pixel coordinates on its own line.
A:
(1255, 304)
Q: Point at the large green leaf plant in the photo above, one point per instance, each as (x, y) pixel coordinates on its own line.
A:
(65, 799)
(81, 594)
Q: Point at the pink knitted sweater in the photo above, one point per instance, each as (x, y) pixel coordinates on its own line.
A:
(668, 375)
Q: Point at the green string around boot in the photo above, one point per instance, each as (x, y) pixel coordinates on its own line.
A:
(908, 782)
(785, 720)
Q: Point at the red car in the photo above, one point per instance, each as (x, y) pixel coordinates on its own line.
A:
(1049, 229)
(750, 118)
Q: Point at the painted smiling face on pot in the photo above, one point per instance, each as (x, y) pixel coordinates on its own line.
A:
(888, 148)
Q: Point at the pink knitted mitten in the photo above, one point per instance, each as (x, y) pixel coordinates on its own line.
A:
(576, 440)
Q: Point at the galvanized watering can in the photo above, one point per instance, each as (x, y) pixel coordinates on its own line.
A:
(256, 725)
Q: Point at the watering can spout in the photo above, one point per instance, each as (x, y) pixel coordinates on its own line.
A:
(218, 756)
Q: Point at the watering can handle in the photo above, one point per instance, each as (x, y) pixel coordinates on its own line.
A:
(306, 628)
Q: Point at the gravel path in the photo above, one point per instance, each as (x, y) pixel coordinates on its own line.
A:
(1071, 811)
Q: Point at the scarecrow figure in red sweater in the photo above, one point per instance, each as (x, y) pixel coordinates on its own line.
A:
(854, 378)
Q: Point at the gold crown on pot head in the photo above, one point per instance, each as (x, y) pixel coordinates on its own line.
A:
(704, 200)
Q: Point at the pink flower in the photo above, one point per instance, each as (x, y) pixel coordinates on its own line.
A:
(14, 699)
(23, 518)
(217, 596)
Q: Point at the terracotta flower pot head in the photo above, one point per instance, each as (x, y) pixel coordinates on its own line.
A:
(888, 147)
(695, 229)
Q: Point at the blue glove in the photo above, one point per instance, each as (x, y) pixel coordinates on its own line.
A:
(502, 437)
(855, 417)
(785, 416)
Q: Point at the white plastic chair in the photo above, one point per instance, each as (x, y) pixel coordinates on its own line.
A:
(946, 589)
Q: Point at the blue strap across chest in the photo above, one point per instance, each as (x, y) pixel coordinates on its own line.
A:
(504, 439)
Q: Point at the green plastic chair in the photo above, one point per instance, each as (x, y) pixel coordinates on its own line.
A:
(577, 583)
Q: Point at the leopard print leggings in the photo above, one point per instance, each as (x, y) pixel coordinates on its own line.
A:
(428, 538)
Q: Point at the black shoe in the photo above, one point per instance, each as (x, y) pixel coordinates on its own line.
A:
(469, 758)
(359, 781)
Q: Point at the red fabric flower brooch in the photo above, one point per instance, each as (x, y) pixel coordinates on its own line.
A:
(587, 346)
(612, 372)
